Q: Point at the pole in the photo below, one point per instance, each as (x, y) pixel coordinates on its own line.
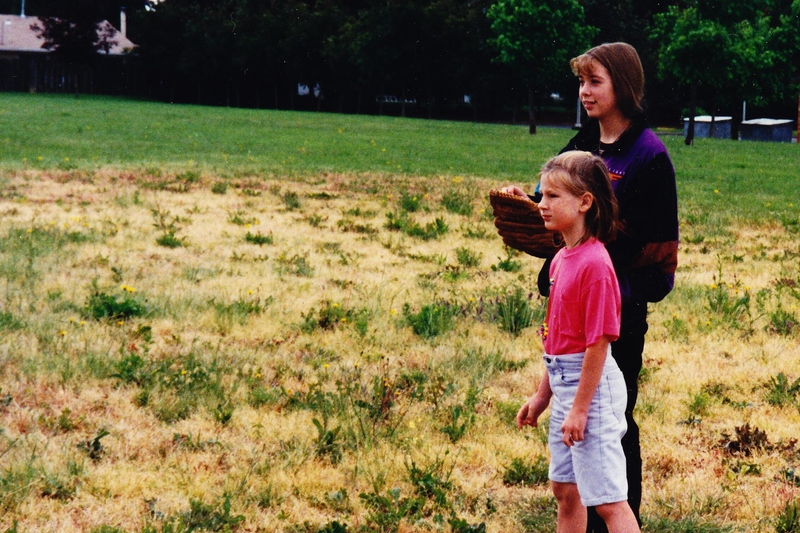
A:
(577, 125)
(798, 119)
(744, 110)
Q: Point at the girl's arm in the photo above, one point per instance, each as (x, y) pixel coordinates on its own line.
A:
(593, 362)
(529, 413)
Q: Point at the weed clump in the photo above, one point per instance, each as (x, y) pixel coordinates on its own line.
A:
(101, 305)
(432, 319)
(458, 203)
(523, 472)
(403, 223)
(258, 238)
(332, 315)
(514, 312)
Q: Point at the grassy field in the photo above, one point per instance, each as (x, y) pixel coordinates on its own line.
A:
(240, 320)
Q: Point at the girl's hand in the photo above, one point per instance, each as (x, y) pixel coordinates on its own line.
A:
(573, 427)
(529, 413)
(513, 189)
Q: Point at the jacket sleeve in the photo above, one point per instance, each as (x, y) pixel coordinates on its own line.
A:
(645, 253)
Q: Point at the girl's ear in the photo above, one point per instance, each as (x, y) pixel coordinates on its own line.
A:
(586, 202)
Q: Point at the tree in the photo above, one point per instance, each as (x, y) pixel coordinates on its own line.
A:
(538, 39)
(74, 32)
(727, 61)
(785, 41)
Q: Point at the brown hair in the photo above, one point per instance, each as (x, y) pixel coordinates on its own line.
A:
(583, 172)
(625, 68)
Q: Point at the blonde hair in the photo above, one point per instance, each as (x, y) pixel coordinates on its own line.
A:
(625, 68)
(580, 173)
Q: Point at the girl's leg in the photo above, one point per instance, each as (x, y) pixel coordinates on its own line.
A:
(571, 512)
(618, 517)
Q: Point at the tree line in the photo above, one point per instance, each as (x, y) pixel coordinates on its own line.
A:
(470, 59)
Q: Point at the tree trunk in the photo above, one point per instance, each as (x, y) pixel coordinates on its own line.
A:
(531, 111)
(76, 81)
(713, 119)
(692, 110)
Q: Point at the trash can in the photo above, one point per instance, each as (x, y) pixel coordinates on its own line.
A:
(702, 127)
(767, 129)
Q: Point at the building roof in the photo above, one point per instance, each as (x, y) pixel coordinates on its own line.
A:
(16, 35)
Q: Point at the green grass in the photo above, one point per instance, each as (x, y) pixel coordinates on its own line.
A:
(719, 181)
(86, 132)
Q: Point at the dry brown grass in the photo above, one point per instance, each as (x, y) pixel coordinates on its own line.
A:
(56, 370)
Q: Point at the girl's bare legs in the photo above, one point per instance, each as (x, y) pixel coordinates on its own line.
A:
(618, 517)
(571, 512)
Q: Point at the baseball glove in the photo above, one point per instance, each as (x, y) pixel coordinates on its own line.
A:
(521, 226)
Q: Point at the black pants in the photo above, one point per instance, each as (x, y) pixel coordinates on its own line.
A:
(627, 352)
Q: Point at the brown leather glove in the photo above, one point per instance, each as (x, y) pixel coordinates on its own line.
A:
(519, 223)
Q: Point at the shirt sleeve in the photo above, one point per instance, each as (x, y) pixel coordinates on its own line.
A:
(602, 310)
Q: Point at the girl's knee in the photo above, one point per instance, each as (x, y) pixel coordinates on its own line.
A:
(611, 511)
(566, 493)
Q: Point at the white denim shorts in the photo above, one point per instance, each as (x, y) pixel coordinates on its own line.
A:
(597, 463)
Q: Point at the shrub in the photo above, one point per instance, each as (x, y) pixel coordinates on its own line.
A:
(169, 225)
(327, 444)
(208, 517)
(409, 202)
(331, 315)
(462, 416)
(93, 447)
(431, 482)
(175, 387)
(783, 322)
(291, 201)
(432, 319)
(521, 472)
(297, 264)
(508, 264)
(538, 515)
(169, 240)
(240, 218)
(467, 257)
(788, 521)
(9, 322)
(514, 311)
(403, 223)
(459, 203)
(781, 391)
(724, 300)
(387, 512)
(258, 238)
(102, 305)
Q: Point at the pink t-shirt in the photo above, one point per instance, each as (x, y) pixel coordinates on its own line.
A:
(584, 301)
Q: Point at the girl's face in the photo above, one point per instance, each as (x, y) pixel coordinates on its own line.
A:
(597, 92)
(561, 210)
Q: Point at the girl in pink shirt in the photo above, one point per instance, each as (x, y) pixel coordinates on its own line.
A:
(583, 385)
